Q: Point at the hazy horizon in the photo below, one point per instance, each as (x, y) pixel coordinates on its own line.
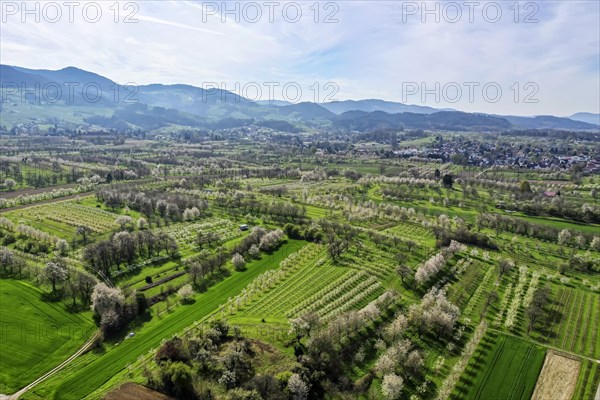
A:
(332, 51)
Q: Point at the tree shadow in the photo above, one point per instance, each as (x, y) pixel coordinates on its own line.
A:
(52, 297)
(76, 308)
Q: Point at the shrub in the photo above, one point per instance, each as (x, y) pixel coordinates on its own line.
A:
(238, 262)
(185, 293)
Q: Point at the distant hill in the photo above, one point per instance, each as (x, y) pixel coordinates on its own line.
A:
(340, 107)
(547, 122)
(11, 75)
(443, 120)
(71, 74)
(590, 118)
(158, 106)
(305, 111)
(273, 103)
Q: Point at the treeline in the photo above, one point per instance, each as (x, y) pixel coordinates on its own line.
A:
(205, 263)
(522, 227)
(310, 233)
(123, 248)
(259, 238)
(562, 209)
(64, 281)
(248, 204)
(113, 310)
(167, 205)
(463, 235)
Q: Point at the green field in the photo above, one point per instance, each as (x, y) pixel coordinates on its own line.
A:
(313, 284)
(589, 379)
(573, 324)
(93, 375)
(503, 367)
(36, 335)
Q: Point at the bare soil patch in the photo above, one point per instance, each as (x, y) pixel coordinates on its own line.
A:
(558, 378)
(133, 391)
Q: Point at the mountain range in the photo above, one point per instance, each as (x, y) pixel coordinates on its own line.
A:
(47, 97)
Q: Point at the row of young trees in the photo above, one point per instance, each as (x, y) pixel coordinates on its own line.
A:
(207, 263)
(242, 203)
(434, 264)
(531, 229)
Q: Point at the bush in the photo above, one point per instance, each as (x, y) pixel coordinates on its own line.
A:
(238, 262)
(185, 293)
(8, 239)
(254, 251)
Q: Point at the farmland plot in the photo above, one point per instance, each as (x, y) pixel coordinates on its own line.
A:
(589, 379)
(69, 214)
(309, 283)
(185, 233)
(36, 336)
(558, 378)
(576, 322)
(503, 367)
(97, 369)
(411, 231)
(461, 292)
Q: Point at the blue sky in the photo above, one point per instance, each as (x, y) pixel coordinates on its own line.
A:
(374, 50)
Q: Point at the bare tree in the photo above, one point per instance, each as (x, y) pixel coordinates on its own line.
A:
(405, 272)
(491, 298)
(84, 232)
(504, 267)
(85, 284)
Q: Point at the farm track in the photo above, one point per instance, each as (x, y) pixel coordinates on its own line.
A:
(520, 374)
(27, 191)
(47, 375)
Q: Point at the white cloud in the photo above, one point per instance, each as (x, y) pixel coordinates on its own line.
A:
(369, 53)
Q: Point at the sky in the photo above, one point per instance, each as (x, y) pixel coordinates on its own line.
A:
(502, 57)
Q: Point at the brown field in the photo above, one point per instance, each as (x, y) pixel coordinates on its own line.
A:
(558, 378)
(133, 391)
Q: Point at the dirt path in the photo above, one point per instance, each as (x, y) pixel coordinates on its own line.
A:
(71, 196)
(31, 191)
(47, 375)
